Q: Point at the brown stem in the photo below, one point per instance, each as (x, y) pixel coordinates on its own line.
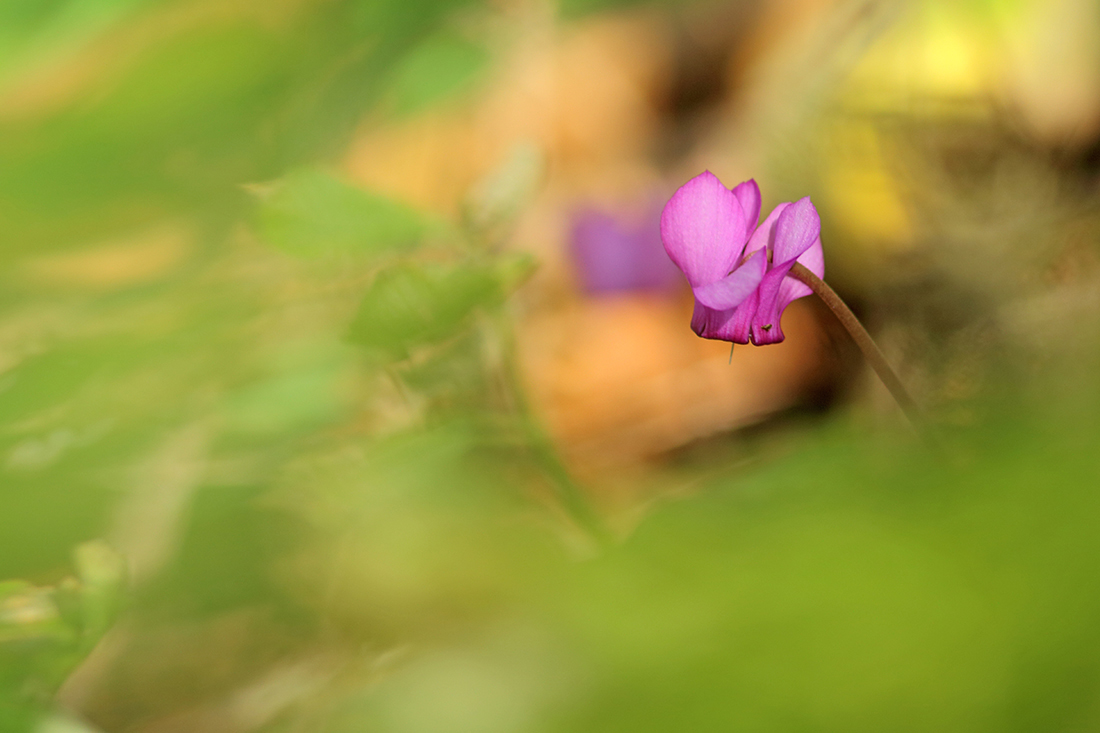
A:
(863, 340)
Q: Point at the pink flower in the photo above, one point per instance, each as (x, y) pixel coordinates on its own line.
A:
(737, 270)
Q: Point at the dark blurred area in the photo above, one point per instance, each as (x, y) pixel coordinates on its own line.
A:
(345, 385)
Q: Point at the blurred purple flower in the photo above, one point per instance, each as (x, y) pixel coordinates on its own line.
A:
(737, 270)
(614, 255)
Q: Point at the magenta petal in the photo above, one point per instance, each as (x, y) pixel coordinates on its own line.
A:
(777, 290)
(790, 289)
(766, 326)
(748, 195)
(813, 259)
(739, 328)
(703, 229)
(764, 236)
(797, 228)
(731, 290)
(728, 325)
(766, 337)
(700, 318)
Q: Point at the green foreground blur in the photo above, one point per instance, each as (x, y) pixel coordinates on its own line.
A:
(268, 461)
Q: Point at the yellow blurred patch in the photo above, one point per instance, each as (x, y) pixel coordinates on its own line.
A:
(861, 193)
(142, 258)
(936, 55)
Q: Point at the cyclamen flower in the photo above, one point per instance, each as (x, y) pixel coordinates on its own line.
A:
(738, 270)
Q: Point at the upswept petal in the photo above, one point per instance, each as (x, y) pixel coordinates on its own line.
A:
(748, 195)
(703, 229)
(778, 290)
(730, 291)
(790, 289)
(797, 228)
(764, 236)
(813, 259)
(797, 233)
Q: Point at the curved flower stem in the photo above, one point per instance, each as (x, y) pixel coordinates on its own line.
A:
(863, 340)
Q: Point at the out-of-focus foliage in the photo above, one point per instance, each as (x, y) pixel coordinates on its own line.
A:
(174, 105)
(158, 372)
(289, 404)
(46, 631)
(408, 305)
(310, 213)
(438, 67)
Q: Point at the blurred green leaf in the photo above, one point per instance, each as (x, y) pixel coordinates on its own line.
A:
(231, 543)
(17, 718)
(311, 213)
(45, 631)
(284, 402)
(513, 269)
(32, 30)
(411, 304)
(102, 574)
(501, 195)
(440, 67)
(179, 123)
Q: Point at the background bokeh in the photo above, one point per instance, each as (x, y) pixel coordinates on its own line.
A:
(345, 386)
